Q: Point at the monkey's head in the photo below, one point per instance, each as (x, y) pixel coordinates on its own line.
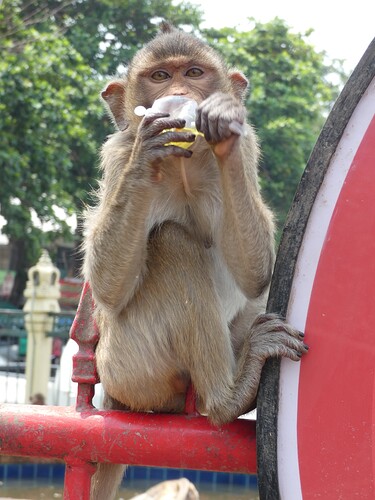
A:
(173, 63)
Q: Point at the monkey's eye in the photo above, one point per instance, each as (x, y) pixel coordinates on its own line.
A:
(160, 75)
(194, 72)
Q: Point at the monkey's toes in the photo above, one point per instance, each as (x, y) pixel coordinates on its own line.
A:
(271, 322)
(219, 417)
(292, 348)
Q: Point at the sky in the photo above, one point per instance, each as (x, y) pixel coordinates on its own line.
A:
(342, 29)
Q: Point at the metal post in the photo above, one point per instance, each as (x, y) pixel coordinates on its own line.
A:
(42, 294)
(77, 482)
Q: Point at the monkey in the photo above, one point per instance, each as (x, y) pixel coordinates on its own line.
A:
(179, 246)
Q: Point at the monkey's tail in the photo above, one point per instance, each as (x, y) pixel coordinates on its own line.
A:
(106, 481)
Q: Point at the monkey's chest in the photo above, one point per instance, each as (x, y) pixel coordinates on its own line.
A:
(182, 273)
(230, 297)
(188, 179)
(197, 208)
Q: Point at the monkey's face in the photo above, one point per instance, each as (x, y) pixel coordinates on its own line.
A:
(173, 64)
(177, 76)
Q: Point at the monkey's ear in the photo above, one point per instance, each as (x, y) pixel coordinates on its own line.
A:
(114, 96)
(239, 83)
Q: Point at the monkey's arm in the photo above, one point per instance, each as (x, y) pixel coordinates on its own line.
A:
(116, 234)
(247, 235)
(247, 229)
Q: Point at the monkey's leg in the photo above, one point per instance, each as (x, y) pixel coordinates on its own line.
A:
(107, 478)
(212, 365)
(269, 336)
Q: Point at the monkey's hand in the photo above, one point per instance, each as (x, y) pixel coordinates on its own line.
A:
(221, 118)
(155, 134)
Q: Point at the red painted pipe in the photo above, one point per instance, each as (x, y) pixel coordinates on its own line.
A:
(77, 483)
(160, 440)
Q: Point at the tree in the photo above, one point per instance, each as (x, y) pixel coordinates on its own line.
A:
(48, 96)
(107, 33)
(47, 150)
(290, 95)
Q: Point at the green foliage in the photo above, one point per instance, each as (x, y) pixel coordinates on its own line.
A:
(48, 98)
(48, 110)
(108, 32)
(289, 97)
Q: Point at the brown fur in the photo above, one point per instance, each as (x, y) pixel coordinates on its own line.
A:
(179, 248)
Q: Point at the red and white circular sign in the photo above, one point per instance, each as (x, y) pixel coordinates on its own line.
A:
(325, 405)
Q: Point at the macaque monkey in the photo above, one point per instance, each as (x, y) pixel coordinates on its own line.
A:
(179, 249)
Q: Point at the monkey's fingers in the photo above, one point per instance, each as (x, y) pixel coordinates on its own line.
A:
(168, 137)
(237, 127)
(219, 128)
(152, 117)
(172, 150)
(274, 337)
(262, 318)
(219, 116)
(178, 151)
(284, 351)
(152, 126)
(284, 339)
(276, 323)
(278, 344)
(218, 131)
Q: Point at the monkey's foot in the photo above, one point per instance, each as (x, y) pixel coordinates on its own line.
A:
(271, 336)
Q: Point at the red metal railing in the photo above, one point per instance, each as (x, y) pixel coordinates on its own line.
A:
(84, 436)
